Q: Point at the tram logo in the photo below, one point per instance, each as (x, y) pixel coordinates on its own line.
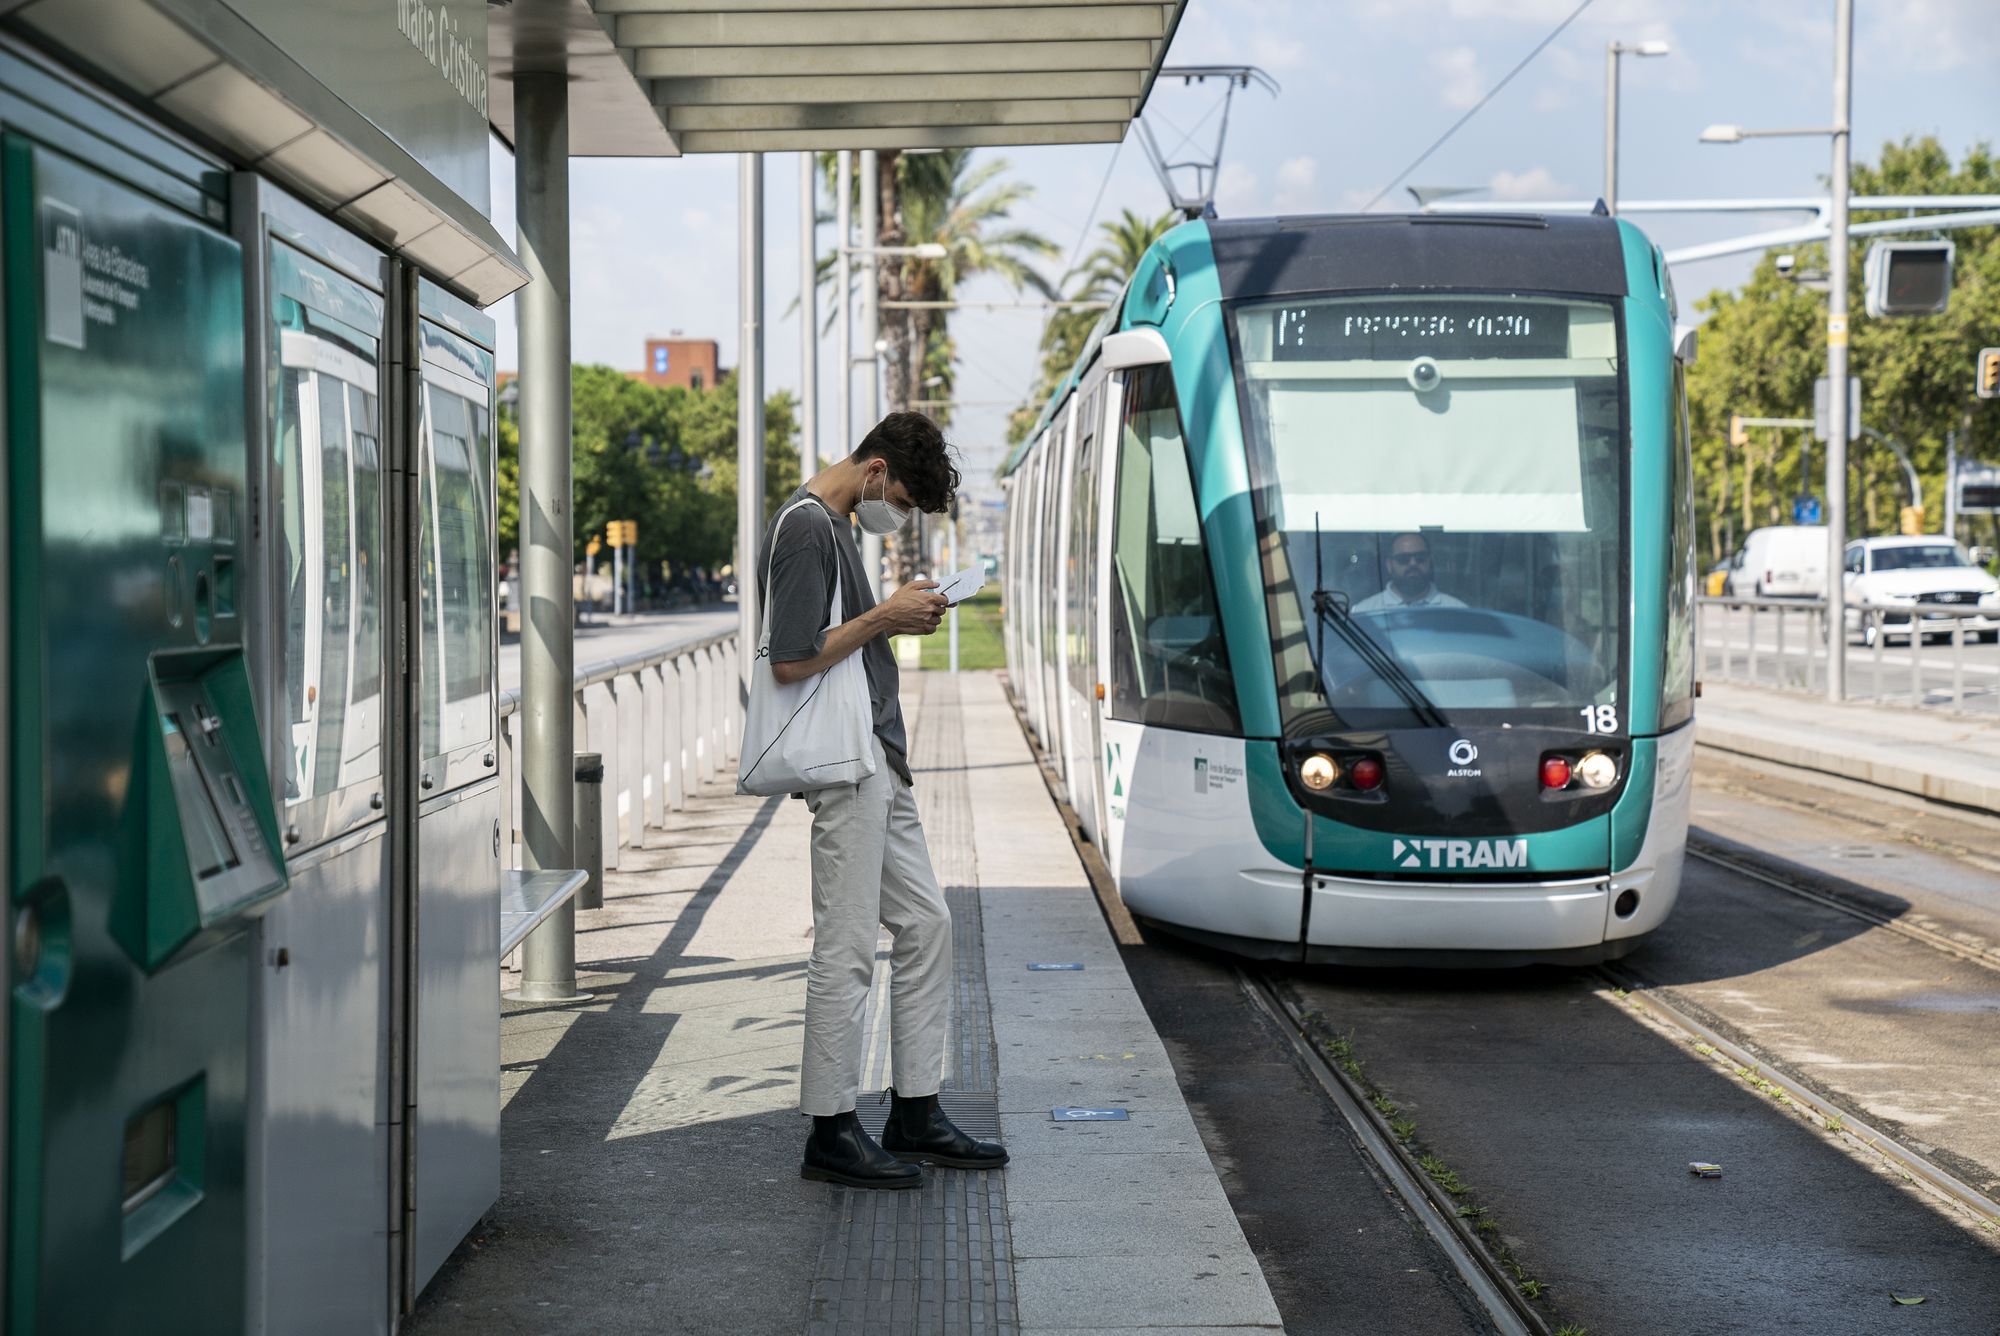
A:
(1463, 754)
(1460, 853)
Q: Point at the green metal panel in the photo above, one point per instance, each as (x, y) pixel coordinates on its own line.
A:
(1192, 326)
(1280, 822)
(125, 401)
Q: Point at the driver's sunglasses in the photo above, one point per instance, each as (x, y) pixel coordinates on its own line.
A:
(1409, 558)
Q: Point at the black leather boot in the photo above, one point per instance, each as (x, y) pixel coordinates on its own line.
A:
(838, 1151)
(918, 1131)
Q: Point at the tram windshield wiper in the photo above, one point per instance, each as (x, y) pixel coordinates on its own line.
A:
(1331, 608)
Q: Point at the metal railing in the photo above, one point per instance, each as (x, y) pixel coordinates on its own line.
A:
(1932, 656)
(665, 720)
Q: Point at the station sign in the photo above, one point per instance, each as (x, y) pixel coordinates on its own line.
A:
(415, 68)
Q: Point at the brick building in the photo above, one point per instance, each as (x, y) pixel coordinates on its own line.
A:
(688, 363)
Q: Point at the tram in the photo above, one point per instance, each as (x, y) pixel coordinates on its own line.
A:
(1350, 584)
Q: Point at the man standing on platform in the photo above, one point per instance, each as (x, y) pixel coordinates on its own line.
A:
(870, 865)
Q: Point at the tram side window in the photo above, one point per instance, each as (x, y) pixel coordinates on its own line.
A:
(1169, 665)
(1677, 672)
(454, 558)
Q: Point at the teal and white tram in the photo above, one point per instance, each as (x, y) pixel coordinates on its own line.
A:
(1349, 588)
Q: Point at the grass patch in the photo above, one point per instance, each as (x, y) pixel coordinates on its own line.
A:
(979, 637)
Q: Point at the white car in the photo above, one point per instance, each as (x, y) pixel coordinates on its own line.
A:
(1919, 571)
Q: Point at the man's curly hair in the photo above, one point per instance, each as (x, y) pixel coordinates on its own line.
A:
(918, 456)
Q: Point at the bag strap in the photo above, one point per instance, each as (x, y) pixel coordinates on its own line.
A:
(837, 609)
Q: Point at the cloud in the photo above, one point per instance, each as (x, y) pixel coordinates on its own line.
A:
(1537, 183)
(1296, 177)
(1236, 192)
(1456, 69)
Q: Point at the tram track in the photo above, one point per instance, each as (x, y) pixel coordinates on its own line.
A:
(1831, 1116)
(1830, 899)
(1512, 1313)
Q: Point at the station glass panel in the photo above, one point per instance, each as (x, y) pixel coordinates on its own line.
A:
(455, 565)
(328, 460)
(1169, 665)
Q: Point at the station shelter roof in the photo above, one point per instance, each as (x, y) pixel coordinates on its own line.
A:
(380, 115)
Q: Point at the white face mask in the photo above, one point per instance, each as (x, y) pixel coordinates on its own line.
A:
(878, 515)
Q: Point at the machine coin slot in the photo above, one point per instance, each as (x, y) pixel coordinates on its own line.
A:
(225, 587)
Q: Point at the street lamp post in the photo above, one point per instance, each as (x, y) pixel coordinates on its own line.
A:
(808, 318)
(871, 333)
(1613, 50)
(843, 228)
(1836, 333)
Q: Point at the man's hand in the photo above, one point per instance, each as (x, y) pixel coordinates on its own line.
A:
(913, 610)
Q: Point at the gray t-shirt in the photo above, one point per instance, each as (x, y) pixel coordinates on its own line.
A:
(811, 555)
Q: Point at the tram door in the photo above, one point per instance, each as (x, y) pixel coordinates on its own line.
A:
(320, 1114)
(142, 831)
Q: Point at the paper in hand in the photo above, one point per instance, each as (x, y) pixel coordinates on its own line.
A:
(962, 585)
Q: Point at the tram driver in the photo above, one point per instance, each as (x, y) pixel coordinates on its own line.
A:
(1409, 579)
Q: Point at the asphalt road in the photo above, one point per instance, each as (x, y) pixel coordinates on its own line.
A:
(605, 639)
(1883, 673)
(1570, 1116)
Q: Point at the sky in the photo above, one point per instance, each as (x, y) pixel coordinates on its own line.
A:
(1365, 87)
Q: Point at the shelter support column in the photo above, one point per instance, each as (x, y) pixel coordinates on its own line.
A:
(548, 738)
(749, 407)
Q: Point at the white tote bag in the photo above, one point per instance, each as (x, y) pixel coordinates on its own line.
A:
(813, 733)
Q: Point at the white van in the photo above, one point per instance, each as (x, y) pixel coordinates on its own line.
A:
(1785, 561)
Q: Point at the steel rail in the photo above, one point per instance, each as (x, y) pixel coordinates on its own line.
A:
(1833, 900)
(1511, 1311)
(1834, 1116)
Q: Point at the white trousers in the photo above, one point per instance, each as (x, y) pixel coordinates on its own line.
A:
(871, 869)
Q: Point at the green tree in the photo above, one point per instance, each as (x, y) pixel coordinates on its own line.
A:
(942, 199)
(1763, 345)
(664, 458)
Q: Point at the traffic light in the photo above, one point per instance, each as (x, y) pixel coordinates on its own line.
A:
(1909, 277)
(1738, 433)
(1986, 376)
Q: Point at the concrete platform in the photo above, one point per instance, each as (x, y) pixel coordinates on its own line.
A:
(651, 1137)
(1946, 758)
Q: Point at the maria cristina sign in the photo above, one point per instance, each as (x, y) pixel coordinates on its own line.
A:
(434, 33)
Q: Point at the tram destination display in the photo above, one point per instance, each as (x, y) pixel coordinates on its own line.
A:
(1395, 329)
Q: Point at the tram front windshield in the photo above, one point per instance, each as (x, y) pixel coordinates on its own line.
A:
(1441, 486)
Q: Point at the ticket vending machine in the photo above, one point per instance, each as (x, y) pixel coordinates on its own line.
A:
(456, 1131)
(142, 834)
(323, 1125)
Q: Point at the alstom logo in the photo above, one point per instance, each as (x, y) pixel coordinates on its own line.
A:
(1460, 853)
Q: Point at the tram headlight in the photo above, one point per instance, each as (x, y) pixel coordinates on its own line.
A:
(1597, 770)
(1366, 774)
(1555, 772)
(1318, 772)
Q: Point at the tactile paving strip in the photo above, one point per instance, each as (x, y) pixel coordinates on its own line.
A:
(939, 1259)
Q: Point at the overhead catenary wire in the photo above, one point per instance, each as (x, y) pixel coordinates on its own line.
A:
(1473, 110)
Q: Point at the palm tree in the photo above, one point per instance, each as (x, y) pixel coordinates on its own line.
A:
(1100, 278)
(944, 199)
